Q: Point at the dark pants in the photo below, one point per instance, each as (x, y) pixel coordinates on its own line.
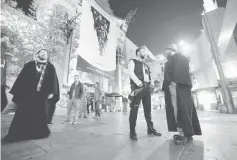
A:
(51, 109)
(88, 106)
(92, 106)
(143, 94)
(97, 108)
(104, 107)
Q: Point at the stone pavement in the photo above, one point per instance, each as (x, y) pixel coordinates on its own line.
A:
(108, 140)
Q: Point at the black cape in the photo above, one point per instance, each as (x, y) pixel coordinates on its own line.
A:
(187, 119)
(4, 100)
(31, 116)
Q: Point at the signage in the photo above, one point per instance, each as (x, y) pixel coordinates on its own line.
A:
(98, 41)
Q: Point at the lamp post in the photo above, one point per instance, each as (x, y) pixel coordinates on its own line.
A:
(228, 101)
(119, 75)
(70, 25)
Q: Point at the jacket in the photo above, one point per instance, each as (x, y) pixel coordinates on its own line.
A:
(79, 90)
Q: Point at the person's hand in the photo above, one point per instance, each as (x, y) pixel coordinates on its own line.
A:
(152, 85)
(172, 90)
(173, 83)
(140, 84)
(50, 96)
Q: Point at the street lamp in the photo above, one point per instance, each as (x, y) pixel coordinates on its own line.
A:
(184, 46)
(182, 43)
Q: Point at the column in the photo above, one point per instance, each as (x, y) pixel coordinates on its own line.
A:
(119, 86)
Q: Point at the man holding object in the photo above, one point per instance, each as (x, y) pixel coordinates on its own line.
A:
(141, 83)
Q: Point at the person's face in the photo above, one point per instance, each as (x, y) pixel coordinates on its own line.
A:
(142, 54)
(76, 78)
(168, 53)
(43, 55)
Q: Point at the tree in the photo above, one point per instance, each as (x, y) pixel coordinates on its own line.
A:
(34, 7)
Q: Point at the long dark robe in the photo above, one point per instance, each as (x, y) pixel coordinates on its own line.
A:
(187, 118)
(31, 116)
(4, 100)
(171, 122)
(51, 103)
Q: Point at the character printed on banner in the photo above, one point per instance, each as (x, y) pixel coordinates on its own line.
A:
(101, 25)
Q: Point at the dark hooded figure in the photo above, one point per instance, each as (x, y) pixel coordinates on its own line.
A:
(180, 110)
(36, 83)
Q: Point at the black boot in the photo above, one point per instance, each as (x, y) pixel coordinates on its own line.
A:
(133, 136)
(153, 132)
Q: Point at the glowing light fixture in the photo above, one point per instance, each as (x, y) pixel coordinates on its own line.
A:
(184, 47)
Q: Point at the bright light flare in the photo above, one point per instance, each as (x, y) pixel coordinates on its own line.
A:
(182, 43)
(184, 46)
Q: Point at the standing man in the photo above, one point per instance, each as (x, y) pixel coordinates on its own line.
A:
(83, 104)
(141, 83)
(177, 85)
(75, 96)
(98, 98)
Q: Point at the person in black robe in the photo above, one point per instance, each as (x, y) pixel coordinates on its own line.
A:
(183, 117)
(34, 85)
(4, 100)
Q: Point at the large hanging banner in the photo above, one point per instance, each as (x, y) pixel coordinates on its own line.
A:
(98, 41)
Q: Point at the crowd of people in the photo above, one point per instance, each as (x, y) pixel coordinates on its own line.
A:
(36, 92)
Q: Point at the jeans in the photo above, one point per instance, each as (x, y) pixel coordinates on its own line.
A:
(97, 108)
(83, 106)
(73, 108)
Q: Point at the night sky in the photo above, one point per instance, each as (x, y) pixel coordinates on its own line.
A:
(159, 23)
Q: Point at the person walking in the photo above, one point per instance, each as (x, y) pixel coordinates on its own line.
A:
(98, 98)
(88, 104)
(104, 104)
(141, 83)
(125, 105)
(36, 83)
(83, 104)
(75, 96)
(180, 110)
